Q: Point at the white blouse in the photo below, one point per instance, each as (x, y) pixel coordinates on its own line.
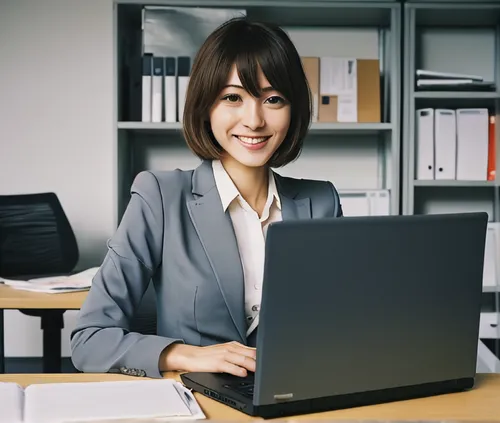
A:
(250, 231)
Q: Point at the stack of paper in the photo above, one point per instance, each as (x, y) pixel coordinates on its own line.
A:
(427, 79)
(57, 284)
(164, 399)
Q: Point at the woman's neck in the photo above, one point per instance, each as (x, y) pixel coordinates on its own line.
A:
(251, 182)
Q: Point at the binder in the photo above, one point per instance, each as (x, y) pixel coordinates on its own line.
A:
(424, 144)
(157, 89)
(445, 144)
(492, 150)
(183, 68)
(366, 203)
(472, 144)
(170, 90)
(491, 271)
(379, 201)
(147, 74)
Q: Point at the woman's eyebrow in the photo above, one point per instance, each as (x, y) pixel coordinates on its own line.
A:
(266, 89)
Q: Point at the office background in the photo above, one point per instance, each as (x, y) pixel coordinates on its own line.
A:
(61, 130)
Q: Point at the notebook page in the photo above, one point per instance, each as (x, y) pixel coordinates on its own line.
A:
(11, 402)
(100, 401)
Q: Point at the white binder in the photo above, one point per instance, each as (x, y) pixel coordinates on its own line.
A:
(366, 203)
(424, 144)
(183, 72)
(147, 74)
(445, 144)
(157, 89)
(472, 144)
(170, 90)
(491, 269)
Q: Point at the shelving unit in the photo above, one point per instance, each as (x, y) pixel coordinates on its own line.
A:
(430, 42)
(459, 37)
(354, 156)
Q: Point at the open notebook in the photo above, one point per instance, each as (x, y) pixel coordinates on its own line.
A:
(151, 400)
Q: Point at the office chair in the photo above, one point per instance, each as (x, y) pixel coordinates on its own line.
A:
(36, 240)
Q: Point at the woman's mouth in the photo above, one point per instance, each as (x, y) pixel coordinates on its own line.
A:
(252, 143)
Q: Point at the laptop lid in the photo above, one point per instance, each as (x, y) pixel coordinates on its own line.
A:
(363, 304)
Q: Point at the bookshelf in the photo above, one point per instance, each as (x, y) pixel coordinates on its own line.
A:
(354, 156)
(358, 158)
(459, 37)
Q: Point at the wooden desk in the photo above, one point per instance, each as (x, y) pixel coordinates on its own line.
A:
(50, 307)
(481, 403)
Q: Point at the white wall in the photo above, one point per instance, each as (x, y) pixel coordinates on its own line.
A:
(56, 125)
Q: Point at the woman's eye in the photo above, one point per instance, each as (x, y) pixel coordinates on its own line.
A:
(231, 98)
(275, 100)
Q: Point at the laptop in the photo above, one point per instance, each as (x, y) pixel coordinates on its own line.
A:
(361, 310)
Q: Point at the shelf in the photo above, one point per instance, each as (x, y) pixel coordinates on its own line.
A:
(452, 183)
(316, 128)
(455, 14)
(349, 128)
(150, 126)
(298, 12)
(490, 289)
(457, 94)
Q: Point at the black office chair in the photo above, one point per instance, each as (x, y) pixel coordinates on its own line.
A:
(36, 240)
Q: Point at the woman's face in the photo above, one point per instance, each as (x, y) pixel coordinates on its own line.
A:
(249, 129)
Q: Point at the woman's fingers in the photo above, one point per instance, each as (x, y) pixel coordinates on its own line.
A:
(240, 360)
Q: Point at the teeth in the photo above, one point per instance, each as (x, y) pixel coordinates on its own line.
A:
(253, 140)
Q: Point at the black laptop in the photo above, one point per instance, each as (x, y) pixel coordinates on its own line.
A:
(362, 310)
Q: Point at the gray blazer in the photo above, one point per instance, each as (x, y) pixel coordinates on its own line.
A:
(174, 233)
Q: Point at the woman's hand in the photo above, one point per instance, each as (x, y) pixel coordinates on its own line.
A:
(232, 357)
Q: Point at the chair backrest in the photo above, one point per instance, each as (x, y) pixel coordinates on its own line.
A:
(36, 238)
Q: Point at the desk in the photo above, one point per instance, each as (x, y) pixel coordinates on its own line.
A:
(482, 403)
(51, 307)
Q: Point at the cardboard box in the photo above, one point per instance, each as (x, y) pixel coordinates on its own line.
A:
(349, 90)
(311, 69)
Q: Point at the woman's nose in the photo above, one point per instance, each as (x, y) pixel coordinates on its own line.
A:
(253, 117)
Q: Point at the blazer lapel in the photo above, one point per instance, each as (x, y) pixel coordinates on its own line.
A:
(216, 233)
(292, 208)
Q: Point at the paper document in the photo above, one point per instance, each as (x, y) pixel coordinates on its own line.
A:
(164, 399)
(423, 73)
(56, 284)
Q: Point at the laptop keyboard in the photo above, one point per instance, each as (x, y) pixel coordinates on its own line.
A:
(244, 387)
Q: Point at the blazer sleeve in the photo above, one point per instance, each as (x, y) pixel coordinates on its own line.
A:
(102, 341)
(337, 206)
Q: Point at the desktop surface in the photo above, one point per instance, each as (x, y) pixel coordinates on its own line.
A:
(17, 299)
(480, 404)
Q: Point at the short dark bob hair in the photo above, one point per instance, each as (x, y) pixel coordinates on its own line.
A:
(248, 45)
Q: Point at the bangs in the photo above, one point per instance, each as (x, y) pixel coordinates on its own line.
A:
(253, 51)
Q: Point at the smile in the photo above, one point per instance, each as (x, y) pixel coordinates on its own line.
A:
(252, 140)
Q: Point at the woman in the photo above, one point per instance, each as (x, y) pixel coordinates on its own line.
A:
(199, 234)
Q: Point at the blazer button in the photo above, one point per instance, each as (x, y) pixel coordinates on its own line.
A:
(124, 370)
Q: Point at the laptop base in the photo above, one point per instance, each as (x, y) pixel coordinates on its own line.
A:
(212, 386)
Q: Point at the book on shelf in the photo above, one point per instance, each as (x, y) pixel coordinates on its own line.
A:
(81, 281)
(145, 400)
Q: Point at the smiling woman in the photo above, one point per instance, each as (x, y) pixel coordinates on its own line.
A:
(255, 68)
(200, 234)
